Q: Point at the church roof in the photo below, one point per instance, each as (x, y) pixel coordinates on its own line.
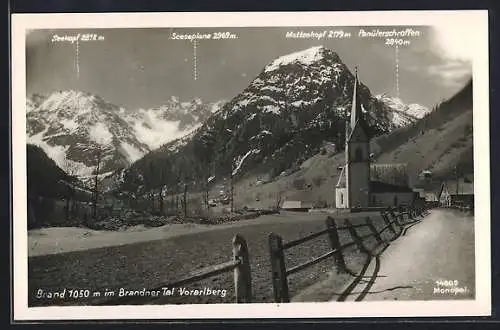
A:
(357, 129)
(360, 132)
(355, 105)
(393, 173)
(382, 187)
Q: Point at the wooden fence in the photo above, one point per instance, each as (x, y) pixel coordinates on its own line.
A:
(240, 264)
(463, 207)
(278, 248)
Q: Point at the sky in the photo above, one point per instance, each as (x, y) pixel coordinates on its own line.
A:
(143, 68)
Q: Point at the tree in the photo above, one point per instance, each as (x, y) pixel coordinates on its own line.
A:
(231, 185)
(184, 200)
(151, 184)
(70, 202)
(185, 175)
(95, 192)
(163, 183)
(206, 191)
(160, 199)
(278, 200)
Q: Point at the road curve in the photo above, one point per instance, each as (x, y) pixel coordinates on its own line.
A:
(434, 259)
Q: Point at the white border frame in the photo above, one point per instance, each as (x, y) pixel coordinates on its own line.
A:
(478, 23)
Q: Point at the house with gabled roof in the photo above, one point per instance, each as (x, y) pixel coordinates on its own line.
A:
(454, 192)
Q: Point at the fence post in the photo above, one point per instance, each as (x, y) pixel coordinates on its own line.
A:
(242, 274)
(388, 222)
(280, 282)
(355, 236)
(333, 237)
(402, 217)
(395, 218)
(369, 222)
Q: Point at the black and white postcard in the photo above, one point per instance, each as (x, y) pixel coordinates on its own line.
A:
(257, 165)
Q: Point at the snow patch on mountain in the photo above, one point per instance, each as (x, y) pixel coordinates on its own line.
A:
(72, 126)
(54, 152)
(133, 153)
(69, 124)
(402, 113)
(304, 57)
(99, 133)
(413, 109)
(153, 131)
(173, 120)
(240, 160)
(271, 108)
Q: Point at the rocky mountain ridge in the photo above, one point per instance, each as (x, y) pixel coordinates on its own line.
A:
(73, 127)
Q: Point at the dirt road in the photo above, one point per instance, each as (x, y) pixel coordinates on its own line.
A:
(434, 259)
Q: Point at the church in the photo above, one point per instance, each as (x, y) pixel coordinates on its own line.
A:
(363, 184)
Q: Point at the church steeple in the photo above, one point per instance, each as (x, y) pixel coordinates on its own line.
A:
(356, 106)
(353, 187)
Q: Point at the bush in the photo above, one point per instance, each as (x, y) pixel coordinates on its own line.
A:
(321, 204)
(299, 183)
(318, 180)
(323, 151)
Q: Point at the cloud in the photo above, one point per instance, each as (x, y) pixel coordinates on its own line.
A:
(453, 40)
(448, 55)
(453, 72)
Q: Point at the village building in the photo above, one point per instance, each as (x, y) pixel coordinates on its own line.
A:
(428, 190)
(457, 192)
(330, 147)
(362, 184)
(294, 205)
(420, 192)
(431, 199)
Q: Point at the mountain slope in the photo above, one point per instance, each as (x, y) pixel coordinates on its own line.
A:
(443, 137)
(43, 175)
(50, 191)
(283, 117)
(73, 127)
(438, 142)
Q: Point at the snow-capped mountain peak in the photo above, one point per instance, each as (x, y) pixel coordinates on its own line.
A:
(296, 102)
(68, 99)
(304, 57)
(403, 113)
(72, 127)
(412, 109)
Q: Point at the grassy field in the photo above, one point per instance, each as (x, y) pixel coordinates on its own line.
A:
(155, 263)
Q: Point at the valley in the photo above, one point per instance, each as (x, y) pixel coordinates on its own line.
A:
(280, 139)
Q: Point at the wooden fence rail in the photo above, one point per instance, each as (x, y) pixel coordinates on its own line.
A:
(463, 207)
(240, 264)
(277, 248)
